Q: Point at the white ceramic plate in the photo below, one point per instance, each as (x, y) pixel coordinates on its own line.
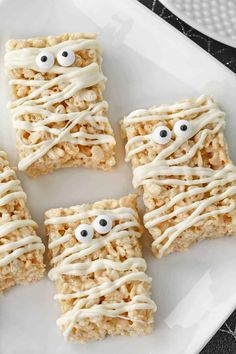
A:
(147, 62)
(215, 18)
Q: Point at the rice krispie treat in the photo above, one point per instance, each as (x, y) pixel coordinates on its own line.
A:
(57, 104)
(21, 250)
(181, 165)
(99, 271)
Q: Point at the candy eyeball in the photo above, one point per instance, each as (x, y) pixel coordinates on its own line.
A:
(66, 57)
(102, 224)
(161, 135)
(84, 233)
(45, 60)
(183, 128)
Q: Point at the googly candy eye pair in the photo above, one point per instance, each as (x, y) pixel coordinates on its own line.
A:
(162, 134)
(102, 224)
(45, 59)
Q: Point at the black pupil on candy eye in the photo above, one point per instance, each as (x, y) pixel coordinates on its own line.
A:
(65, 54)
(163, 133)
(183, 127)
(84, 233)
(44, 58)
(103, 222)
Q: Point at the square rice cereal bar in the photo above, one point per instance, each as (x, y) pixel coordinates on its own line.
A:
(57, 106)
(181, 165)
(21, 250)
(97, 265)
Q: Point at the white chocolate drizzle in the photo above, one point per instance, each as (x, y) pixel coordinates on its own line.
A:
(10, 251)
(72, 80)
(165, 171)
(25, 57)
(66, 263)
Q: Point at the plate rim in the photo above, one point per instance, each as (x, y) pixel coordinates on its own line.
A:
(194, 44)
(198, 27)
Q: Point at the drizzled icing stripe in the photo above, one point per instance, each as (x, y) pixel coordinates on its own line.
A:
(9, 191)
(168, 112)
(162, 170)
(20, 247)
(66, 135)
(116, 214)
(74, 253)
(77, 312)
(12, 186)
(216, 181)
(13, 225)
(190, 221)
(198, 124)
(110, 310)
(25, 57)
(64, 264)
(139, 302)
(76, 78)
(93, 266)
(103, 289)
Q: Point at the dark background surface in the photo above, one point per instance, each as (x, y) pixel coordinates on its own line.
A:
(224, 341)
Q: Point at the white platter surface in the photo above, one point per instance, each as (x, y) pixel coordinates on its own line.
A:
(147, 62)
